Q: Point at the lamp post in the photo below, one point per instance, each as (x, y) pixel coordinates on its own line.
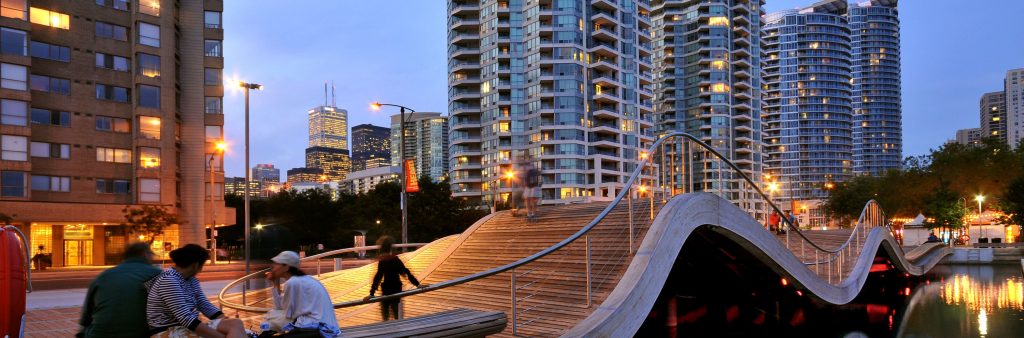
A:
(219, 149)
(401, 151)
(248, 174)
(980, 198)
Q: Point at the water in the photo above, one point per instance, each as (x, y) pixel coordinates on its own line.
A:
(966, 301)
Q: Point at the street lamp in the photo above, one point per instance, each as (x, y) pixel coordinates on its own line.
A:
(980, 198)
(248, 174)
(218, 149)
(401, 152)
(508, 175)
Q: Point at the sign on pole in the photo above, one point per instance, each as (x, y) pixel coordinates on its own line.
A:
(411, 183)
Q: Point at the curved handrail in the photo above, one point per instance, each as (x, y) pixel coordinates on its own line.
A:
(627, 189)
(243, 307)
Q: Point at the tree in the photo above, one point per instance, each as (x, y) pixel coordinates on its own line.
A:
(945, 209)
(149, 221)
(1013, 203)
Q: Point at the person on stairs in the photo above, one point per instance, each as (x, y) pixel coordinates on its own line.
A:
(390, 268)
(306, 306)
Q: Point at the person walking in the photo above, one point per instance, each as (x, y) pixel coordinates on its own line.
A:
(306, 305)
(115, 303)
(390, 268)
(532, 192)
(517, 182)
(175, 301)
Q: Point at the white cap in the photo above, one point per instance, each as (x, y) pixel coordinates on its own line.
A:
(289, 258)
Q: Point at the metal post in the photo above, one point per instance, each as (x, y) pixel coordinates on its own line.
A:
(830, 271)
(589, 289)
(720, 185)
(816, 262)
(651, 193)
(405, 197)
(245, 287)
(672, 163)
(213, 212)
(689, 159)
(661, 173)
(629, 201)
(512, 300)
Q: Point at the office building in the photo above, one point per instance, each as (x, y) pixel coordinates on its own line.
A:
(567, 84)
(808, 109)
(992, 113)
(108, 104)
(266, 173)
(334, 163)
(236, 186)
(361, 182)
(371, 147)
(1013, 86)
(877, 92)
(328, 127)
(298, 175)
(426, 142)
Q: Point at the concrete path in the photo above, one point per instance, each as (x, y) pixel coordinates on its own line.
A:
(74, 297)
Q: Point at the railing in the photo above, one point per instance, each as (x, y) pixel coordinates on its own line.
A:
(225, 299)
(676, 163)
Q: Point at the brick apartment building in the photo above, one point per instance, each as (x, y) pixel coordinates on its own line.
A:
(105, 104)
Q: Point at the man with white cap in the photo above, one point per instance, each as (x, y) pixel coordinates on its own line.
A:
(305, 302)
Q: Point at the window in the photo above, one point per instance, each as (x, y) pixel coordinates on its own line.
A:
(12, 184)
(149, 127)
(149, 65)
(212, 19)
(115, 4)
(13, 9)
(49, 18)
(54, 85)
(114, 62)
(113, 155)
(213, 77)
(213, 134)
(149, 96)
(13, 148)
(149, 157)
(111, 31)
(218, 191)
(113, 124)
(149, 35)
(149, 190)
(13, 112)
(13, 41)
(214, 48)
(47, 51)
(51, 150)
(110, 186)
(218, 161)
(151, 7)
(51, 183)
(13, 77)
(214, 105)
(51, 117)
(113, 93)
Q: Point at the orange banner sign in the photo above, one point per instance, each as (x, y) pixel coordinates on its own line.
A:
(411, 183)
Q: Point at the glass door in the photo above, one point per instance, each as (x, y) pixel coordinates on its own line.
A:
(77, 252)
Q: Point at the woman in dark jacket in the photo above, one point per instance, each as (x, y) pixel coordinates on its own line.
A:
(388, 277)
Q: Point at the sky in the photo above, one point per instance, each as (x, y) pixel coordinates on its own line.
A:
(395, 51)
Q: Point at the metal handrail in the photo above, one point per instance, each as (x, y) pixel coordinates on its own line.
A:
(244, 307)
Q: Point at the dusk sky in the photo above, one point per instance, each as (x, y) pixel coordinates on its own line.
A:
(395, 51)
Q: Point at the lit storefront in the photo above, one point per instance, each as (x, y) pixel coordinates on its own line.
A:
(59, 244)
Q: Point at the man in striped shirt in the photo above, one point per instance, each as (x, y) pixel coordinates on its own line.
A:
(175, 301)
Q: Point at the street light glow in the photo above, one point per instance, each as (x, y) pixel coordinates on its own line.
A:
(979, 198)
(259, 226)
(510, 174)
(375, 106)
(221, 146)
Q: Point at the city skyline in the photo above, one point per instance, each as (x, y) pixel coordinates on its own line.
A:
(935, 56)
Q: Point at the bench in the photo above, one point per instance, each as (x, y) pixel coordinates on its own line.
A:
(452, 323)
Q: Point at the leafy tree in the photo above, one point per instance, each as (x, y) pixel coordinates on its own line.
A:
(1013, 203)
(148, 220)
(945, 209)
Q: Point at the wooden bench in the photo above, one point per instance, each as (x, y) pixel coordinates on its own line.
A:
(452, 323)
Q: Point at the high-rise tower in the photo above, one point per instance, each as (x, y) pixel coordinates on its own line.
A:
(877, 93)
(328, 140)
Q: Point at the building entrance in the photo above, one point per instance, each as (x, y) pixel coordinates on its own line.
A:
(77, 252)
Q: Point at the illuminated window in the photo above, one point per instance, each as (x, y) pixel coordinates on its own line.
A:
(13, 9)
(151, 7)
(112, 124)
(718, 65)
(813, 45)
(720, 88)
(503, 127)
(113, 155)
(149, 65)
(718, 21)
(149, 127)
(995, 119)
(149, 157)
(44, 17)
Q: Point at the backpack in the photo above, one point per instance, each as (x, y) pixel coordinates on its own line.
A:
(533, 177)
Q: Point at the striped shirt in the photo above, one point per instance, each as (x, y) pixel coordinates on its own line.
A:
(176, 301)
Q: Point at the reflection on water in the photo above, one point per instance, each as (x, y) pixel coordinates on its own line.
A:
(967, 301)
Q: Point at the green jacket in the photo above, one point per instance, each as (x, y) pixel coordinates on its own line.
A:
(115, 305)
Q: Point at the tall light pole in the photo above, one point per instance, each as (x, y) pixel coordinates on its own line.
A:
(218, 149)
(401, 151)
(980, 198)
(248, 174)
